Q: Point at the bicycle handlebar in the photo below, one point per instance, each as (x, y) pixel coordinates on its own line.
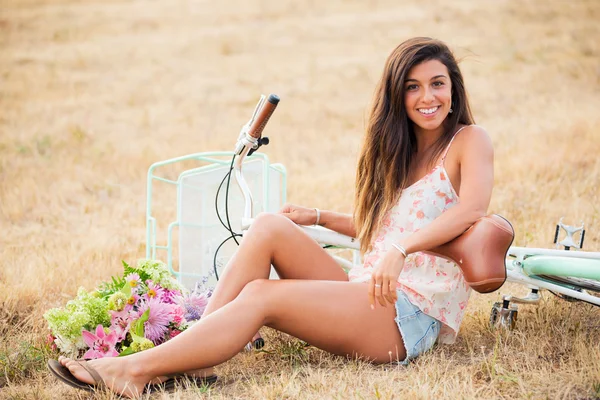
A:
(263, 116)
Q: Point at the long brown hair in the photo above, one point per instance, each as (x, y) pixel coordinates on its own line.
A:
(390, 144)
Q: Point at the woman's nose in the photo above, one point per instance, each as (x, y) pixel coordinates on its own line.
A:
(428, 96)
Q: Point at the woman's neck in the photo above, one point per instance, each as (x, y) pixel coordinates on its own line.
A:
(426, 138)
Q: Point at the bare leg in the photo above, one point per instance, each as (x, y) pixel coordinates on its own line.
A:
(334, 316)
(272, 239)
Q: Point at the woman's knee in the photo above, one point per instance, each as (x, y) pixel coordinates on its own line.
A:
(256, 293)
(269, 225)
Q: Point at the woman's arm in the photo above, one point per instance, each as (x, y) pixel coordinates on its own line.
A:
(341, 223)
(476, 159)
(338, 222)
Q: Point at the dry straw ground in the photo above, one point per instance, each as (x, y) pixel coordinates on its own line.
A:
(93, 92)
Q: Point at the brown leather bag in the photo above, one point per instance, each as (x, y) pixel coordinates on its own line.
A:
(480, 252)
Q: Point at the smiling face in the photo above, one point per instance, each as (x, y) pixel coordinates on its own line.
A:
(428, 94)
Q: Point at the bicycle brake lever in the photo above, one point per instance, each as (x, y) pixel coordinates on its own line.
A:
(263, 141)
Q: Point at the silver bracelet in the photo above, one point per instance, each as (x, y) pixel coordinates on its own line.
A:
(400, 248)
(318, 216)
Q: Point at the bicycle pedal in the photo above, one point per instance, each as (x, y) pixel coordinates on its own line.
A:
(569, 241)
(503, 315)
(258, 343)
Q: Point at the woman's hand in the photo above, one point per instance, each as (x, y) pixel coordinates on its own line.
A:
(384, 278)
(299, 215)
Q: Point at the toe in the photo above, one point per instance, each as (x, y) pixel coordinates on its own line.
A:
(79, 372)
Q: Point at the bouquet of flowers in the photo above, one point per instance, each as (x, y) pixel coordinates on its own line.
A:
(141, 309)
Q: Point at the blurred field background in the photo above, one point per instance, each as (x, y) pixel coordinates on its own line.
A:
(93, 92)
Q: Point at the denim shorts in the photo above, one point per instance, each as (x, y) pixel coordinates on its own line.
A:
(419, 331)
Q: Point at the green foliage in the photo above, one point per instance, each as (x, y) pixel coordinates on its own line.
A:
(118, 300)
(159, 273)
(127, 269)
(107, 289)
(85, 311)
(137, 327)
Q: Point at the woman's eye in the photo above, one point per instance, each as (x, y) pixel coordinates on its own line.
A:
(411, 87)
(438, 84)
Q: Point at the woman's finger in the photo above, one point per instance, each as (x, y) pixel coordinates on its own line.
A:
(371, 293)
(378, 289)
(394, 290)
(385, 290)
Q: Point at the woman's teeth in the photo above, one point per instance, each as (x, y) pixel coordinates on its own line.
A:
(428, 110)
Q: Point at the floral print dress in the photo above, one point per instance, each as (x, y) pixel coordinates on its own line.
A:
(433, 284)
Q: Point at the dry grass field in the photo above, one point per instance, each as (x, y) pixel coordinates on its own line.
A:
(93, 92)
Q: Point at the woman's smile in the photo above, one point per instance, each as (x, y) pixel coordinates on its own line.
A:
(428, 112)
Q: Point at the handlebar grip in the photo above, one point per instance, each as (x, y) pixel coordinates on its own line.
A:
(263, 116)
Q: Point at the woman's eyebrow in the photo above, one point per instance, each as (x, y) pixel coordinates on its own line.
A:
(435, 77)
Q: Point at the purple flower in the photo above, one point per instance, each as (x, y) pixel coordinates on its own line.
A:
(101, 344)
(194, 305)
(161, 315)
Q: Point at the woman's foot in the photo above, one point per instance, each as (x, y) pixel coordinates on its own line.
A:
(116, 374)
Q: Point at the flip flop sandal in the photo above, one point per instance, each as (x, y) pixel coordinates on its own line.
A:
(64, 375)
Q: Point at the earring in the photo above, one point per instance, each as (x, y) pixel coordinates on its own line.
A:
(450, 110)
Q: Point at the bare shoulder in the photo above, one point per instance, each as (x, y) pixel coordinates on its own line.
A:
(474, 139)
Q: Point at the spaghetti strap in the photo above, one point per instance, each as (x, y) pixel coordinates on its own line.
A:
(450, 144)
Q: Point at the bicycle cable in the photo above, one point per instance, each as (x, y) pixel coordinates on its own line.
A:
(217, 252)
(227, 201)
(217, 201)
(228, 225)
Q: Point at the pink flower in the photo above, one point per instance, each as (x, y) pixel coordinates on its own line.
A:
(101, 344)
(170, 296)
(154, 291)
(387, 222)
(121, 322)
(161, 315)
(178, 314)
(131, 301)
(50, 342)
(174, 333)
(133, 280)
